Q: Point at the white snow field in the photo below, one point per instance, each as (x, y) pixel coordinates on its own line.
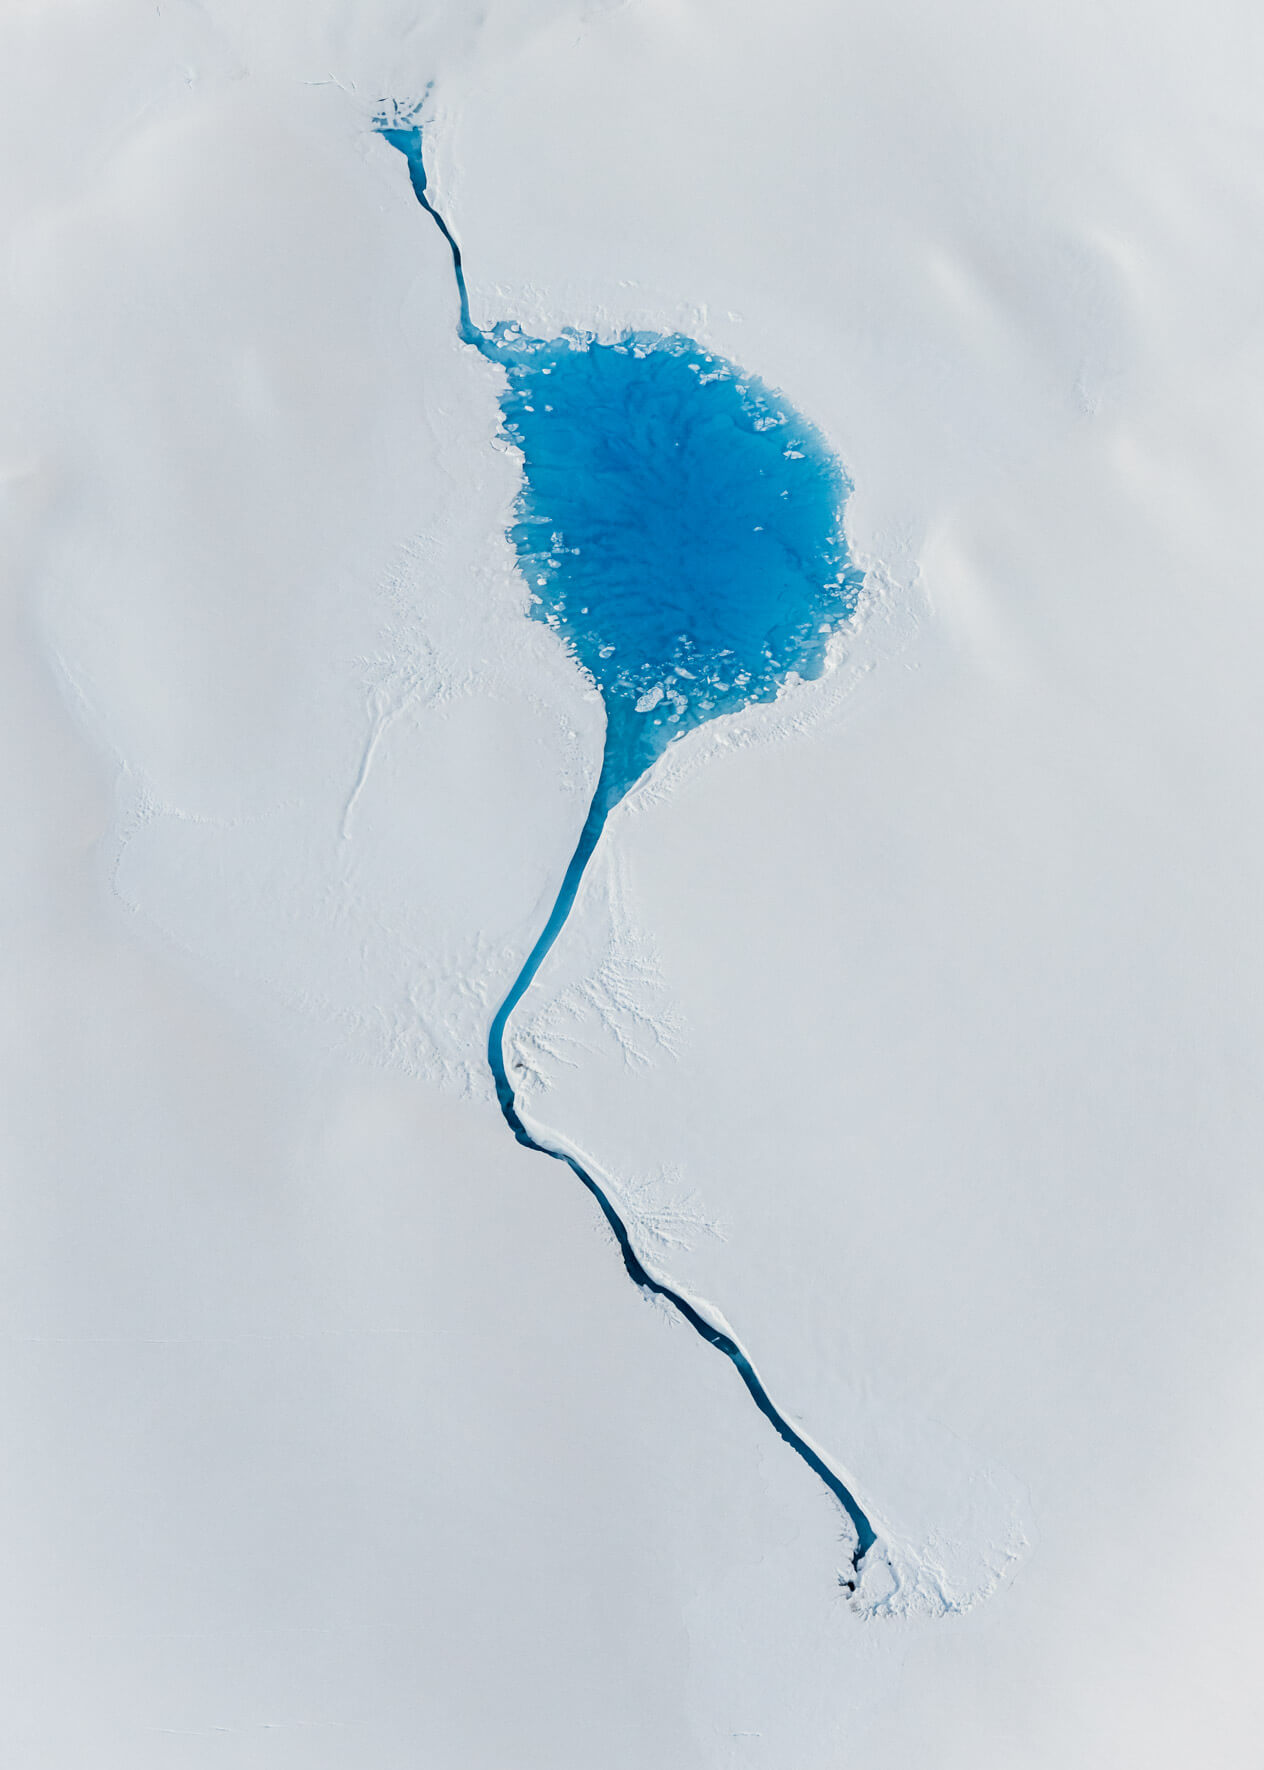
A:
(914, 1023)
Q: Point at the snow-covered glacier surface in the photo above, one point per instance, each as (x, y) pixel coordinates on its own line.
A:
(908, 1012)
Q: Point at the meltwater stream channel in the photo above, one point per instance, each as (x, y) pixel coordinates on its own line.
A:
(680, 525)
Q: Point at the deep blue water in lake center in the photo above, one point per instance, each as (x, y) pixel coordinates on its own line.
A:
(680, 525)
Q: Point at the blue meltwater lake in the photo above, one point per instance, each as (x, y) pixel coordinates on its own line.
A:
(681, 526)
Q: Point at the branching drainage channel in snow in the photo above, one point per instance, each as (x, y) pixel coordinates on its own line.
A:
(680, 525)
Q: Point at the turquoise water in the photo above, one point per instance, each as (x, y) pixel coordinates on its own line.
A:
(680, 525)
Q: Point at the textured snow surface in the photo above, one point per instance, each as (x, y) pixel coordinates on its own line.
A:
(913, 1019)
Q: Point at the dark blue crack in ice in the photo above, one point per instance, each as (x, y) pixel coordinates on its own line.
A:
(681, 526)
